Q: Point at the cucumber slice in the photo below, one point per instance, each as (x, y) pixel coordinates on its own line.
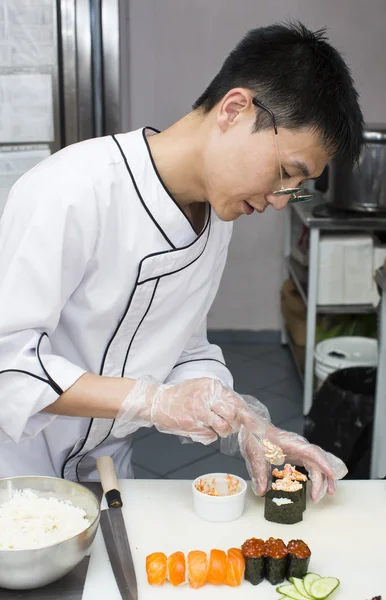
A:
(323, 587)
(308, 580)
(290, 591)
(299, 584)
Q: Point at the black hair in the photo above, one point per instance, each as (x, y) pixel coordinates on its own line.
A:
(301, 78)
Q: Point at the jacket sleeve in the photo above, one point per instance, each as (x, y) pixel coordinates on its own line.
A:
(200, 358)
(47, 235)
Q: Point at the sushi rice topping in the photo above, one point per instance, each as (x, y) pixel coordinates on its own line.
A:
(286, 485)
(289, 472)
(273, 454)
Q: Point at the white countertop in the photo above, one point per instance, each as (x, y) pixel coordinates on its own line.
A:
(346, 535)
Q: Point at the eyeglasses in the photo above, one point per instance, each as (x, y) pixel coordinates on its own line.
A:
(294, 191)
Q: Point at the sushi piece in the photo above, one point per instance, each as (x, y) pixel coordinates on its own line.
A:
(290, 473)
(176, 568)
(253, 551)
(299, 556)
(279, 508)
(197, 568)
(235, 567)
(275, 560)
(217, 568)
(156, 568)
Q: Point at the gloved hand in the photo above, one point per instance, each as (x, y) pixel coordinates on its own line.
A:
(200, 409)
(323, 468)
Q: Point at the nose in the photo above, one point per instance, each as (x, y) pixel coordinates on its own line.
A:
(278, 202)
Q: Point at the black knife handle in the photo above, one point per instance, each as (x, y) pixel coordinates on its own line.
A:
(109, 481)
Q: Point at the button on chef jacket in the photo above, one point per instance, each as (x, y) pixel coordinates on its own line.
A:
(100, 272)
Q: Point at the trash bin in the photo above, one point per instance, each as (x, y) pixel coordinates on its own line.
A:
(341, 418)
(340, 353)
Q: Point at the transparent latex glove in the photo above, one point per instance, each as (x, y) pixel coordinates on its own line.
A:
(230, 445)
(201, 409)
(324, 469)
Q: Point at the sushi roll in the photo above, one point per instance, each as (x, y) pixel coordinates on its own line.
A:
(275, 560)
(197, 568)
(299, 556)
(290, 473)
(235, 567)
(253, 551)
(176, 568)
(282, 509)
(156, 568)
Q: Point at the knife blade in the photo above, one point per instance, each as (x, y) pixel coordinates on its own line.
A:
(115, 533)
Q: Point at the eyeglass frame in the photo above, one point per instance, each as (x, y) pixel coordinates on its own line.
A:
(294, 195)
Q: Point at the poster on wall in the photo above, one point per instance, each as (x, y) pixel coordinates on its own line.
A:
(14, 162)
(26, 111)
(27, 57)
(26, 33)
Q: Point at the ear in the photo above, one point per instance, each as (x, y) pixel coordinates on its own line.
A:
(236, 102)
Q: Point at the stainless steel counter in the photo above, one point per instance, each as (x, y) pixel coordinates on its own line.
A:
(341, 221)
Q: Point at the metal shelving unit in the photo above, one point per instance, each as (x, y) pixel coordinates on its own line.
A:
(306, 278)
(299, 275)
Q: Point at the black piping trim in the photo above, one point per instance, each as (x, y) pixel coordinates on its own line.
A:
(122, 375)
(138, 326)
(140, 196)
(53, 383)
(177, 270)
(97, 446)
(199, 360)
(174, 249)
(80, 449)
(160, 178)
(28, 373)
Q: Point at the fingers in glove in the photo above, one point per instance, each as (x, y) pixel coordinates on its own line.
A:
(221, 427)
(331, 487)
(318, 485)
(202, 434)
(257, 465)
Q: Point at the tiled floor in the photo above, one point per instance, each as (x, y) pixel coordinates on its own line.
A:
(262, 370)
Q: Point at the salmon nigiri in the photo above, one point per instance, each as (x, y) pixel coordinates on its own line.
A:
(217, 567)
(176, 568)
(156, 568)
(197, 568)
(235, 567)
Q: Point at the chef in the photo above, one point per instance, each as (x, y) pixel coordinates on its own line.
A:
(112, 251)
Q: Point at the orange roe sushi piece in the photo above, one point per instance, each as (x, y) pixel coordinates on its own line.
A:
(217, 567)
(235, 567)
(197, 568)
(156, 568)
(176, 568)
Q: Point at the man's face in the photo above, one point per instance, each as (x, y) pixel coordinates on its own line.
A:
(241, 168)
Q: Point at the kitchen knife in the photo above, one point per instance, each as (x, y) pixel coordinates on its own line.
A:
(114, 531)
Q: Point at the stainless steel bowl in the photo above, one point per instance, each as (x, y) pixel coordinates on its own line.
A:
(27, 569)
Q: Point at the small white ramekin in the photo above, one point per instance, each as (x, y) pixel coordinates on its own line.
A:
(219, 509)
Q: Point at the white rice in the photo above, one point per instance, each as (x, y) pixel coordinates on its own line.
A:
(281, 501)
(29, 521)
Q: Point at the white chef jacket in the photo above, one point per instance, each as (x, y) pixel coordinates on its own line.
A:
(100, 272)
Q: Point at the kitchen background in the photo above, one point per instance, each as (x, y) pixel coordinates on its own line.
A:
(168, 51)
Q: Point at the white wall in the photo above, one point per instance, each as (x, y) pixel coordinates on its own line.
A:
(177, 46)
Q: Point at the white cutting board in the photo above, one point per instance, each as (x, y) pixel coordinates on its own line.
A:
(159, 517)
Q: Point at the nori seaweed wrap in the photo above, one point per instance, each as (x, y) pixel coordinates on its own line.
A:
(286, 514)
(291, 473)
(253, 551)
(298, 560)
(275, 560)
